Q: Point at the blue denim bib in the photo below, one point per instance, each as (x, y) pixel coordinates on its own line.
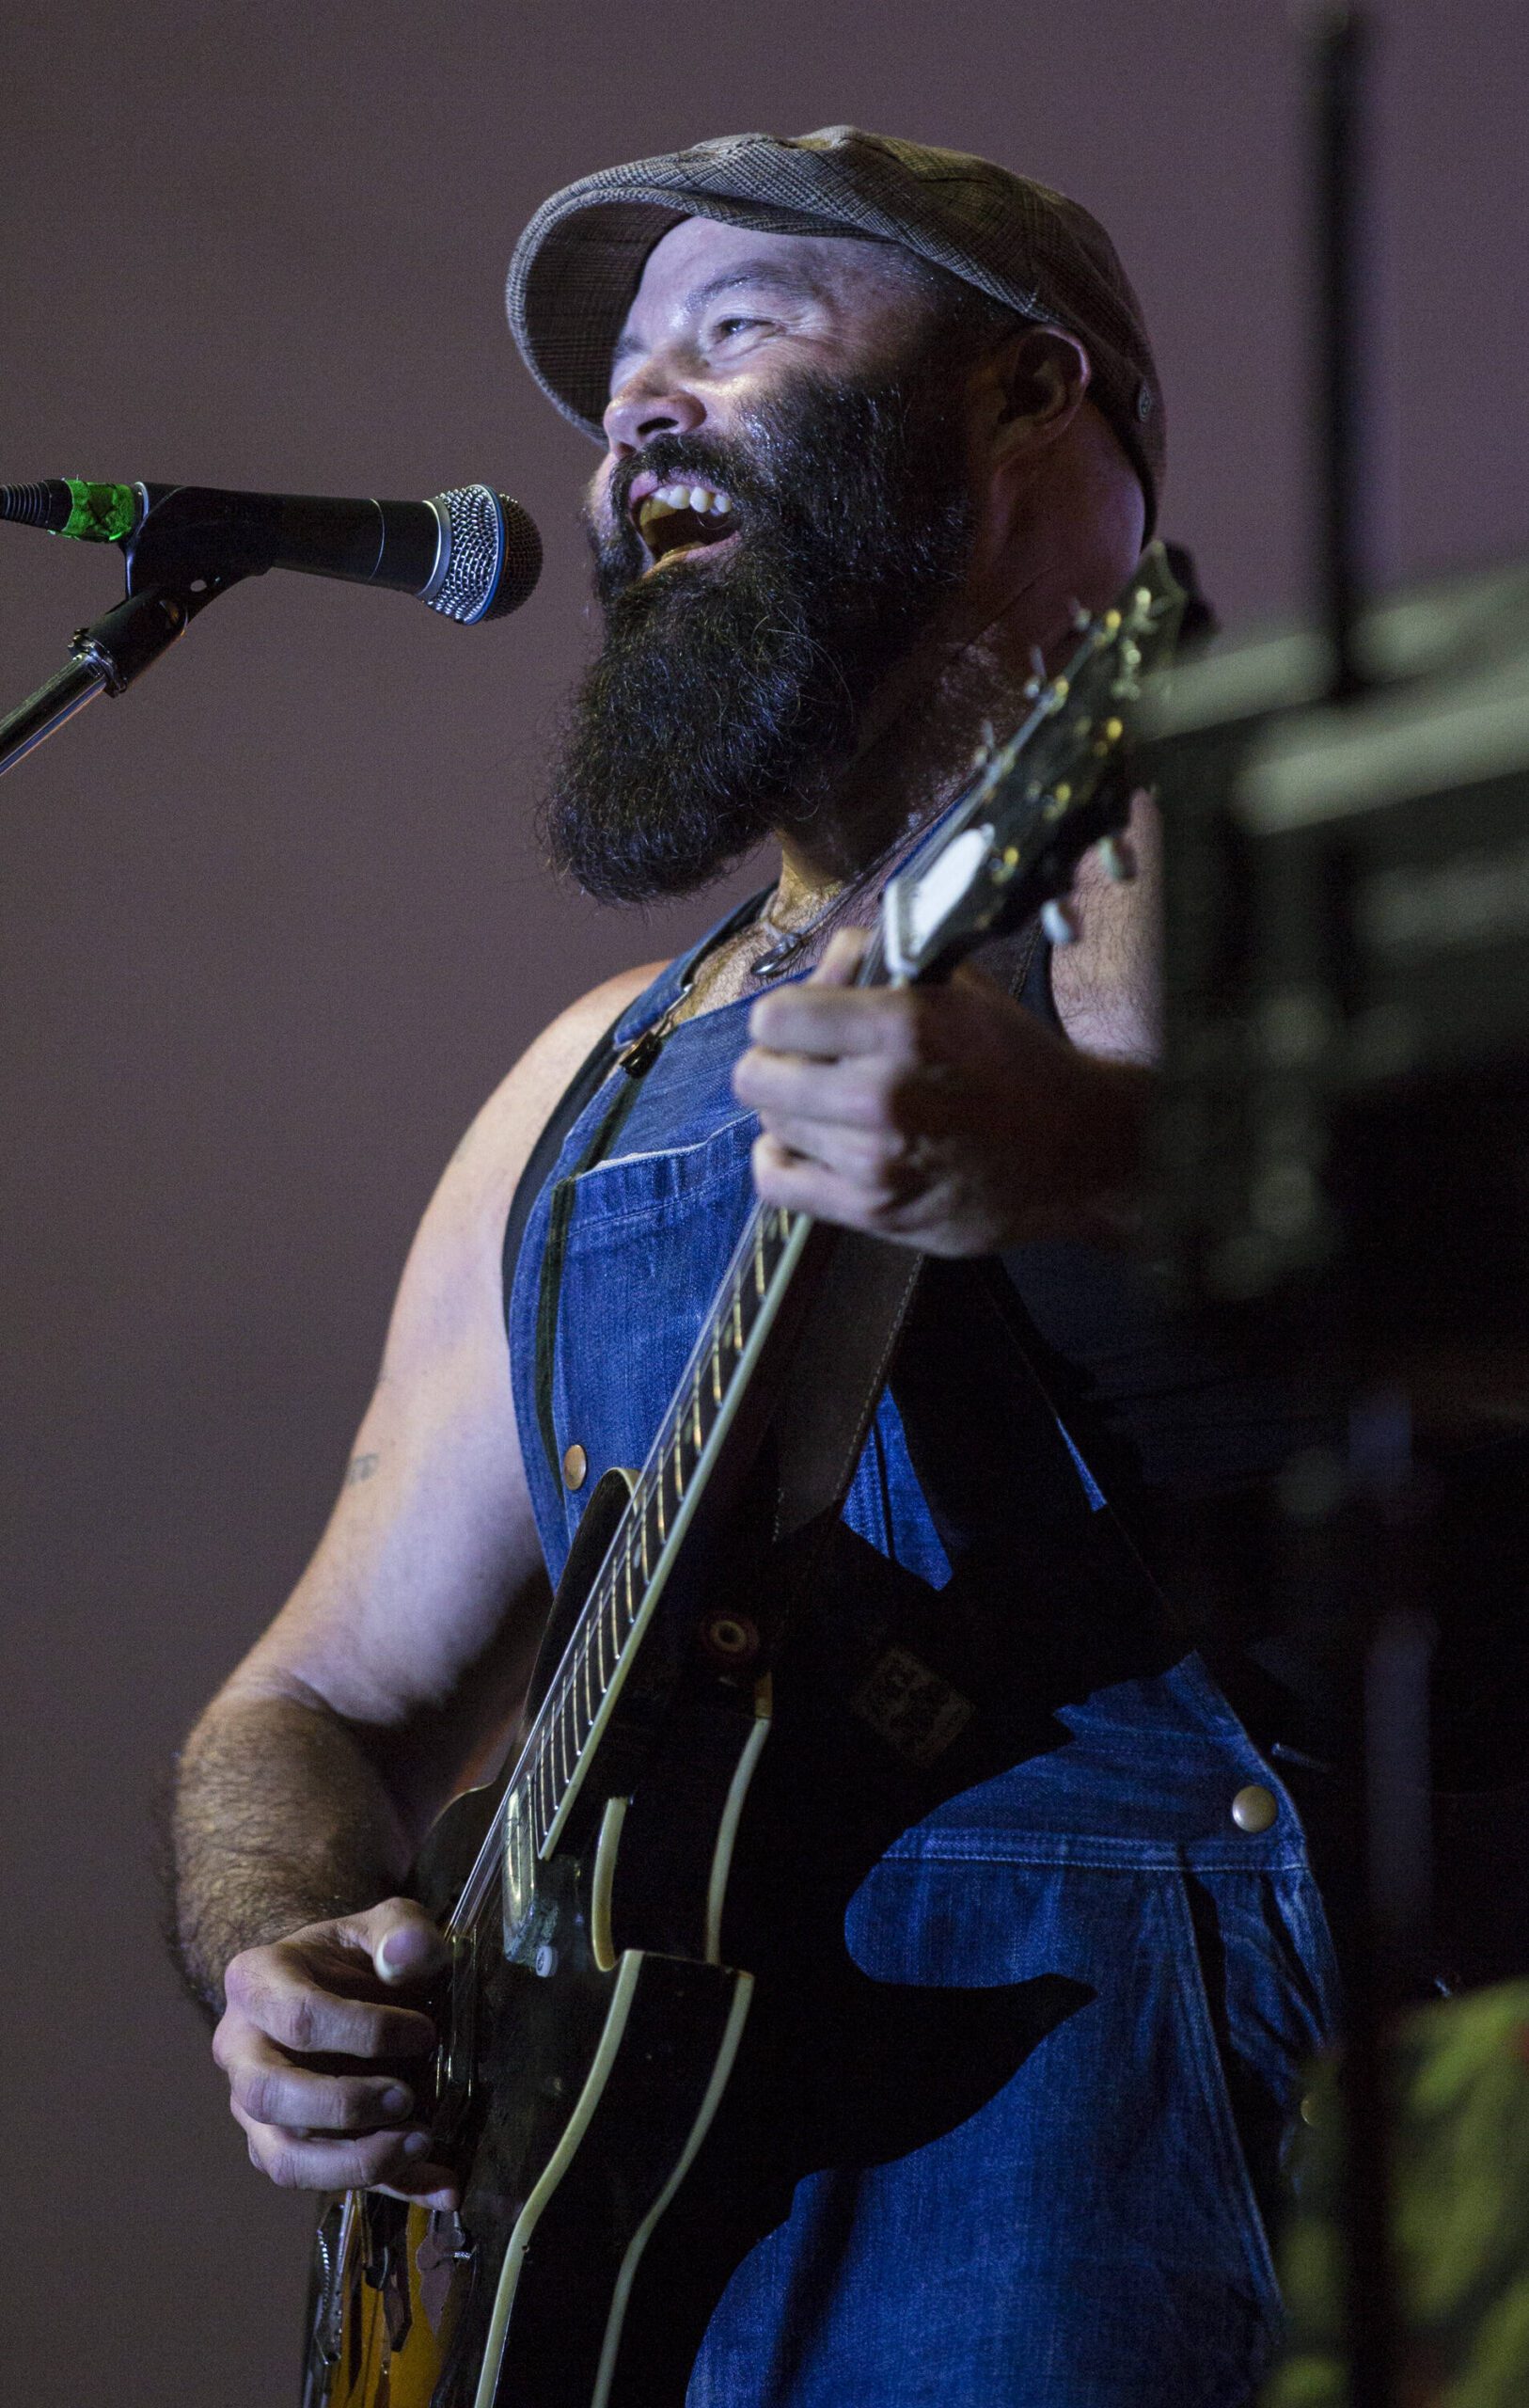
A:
(1091, 2237)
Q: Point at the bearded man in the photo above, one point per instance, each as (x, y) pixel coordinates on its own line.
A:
(877, 418)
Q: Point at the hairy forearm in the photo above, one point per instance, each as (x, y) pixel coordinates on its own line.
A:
(280, 1820)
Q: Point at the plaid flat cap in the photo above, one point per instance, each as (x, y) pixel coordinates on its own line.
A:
(578, 265)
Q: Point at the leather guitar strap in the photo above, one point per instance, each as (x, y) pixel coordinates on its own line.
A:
(837, 1376)
(841, 1362)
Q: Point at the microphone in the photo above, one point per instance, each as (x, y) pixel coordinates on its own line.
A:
(471, 553)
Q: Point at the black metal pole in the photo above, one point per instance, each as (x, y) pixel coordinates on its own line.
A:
(1375, 1588)
(106, 658)
(68, 690)
(1339, 46)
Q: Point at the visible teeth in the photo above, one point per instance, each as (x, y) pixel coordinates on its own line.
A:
(704, 500)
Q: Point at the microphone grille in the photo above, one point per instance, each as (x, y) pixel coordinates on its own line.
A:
(494, 556)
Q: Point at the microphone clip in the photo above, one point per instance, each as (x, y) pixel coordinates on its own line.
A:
(163, 595)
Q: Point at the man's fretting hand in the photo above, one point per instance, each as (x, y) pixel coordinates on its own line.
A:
(309, 2038)
(945, 1118)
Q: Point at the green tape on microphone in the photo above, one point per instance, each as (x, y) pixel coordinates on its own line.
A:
(100, 514)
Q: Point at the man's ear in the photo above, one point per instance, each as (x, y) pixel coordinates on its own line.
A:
(1041, 375)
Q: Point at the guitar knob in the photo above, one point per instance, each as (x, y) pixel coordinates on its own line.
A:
(1059, 922)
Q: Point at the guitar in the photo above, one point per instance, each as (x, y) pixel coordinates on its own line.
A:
(610, 2072)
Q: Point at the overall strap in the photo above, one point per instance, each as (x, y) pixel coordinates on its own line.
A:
(634, 1055)
(580, 1092)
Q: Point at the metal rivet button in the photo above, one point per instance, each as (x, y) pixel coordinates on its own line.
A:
(576, 1462)
(1254, 1808)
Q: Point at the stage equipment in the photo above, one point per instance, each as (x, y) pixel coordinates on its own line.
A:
(1343, 1167)
(1345, 1137)
(471, 553)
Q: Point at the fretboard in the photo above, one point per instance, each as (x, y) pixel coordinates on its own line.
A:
(647, 1541)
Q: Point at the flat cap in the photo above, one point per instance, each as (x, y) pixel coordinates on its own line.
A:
(578, 263)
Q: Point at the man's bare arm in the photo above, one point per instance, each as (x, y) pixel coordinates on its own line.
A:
(388, 1683)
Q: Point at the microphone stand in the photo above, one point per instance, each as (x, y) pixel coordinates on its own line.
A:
(167, 586)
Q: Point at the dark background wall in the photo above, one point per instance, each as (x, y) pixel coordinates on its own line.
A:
(274, 923)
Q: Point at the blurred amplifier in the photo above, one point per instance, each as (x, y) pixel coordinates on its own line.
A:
(1346, 1123)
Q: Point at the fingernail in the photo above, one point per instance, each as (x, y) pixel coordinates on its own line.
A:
(396, 2100)
(416, 2143)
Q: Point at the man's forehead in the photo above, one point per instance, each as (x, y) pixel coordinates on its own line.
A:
(702, 256)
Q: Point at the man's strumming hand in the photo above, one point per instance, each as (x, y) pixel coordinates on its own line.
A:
(324, 2060)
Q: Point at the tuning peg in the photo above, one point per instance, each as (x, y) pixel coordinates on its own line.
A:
(1082, 621)
(1059, 921)
(987, 747)
(1117, 860)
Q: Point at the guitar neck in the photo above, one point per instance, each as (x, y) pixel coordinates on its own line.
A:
(725, 1386)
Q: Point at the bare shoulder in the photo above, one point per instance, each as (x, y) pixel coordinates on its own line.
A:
(1106, 987)
(458, 1242)
(501, 1141)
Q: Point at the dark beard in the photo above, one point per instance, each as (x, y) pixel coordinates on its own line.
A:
(727, 697)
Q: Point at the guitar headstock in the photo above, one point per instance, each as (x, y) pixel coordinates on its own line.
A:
(1039, 802)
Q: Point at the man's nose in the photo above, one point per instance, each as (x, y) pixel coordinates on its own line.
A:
(651, 402)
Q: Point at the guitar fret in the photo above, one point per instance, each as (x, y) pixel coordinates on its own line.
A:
(663, 1525)
(716, 1367)
(759, 1263)
(602, 1671)
(695, 1411)
(568, 1723)
(737, 1321)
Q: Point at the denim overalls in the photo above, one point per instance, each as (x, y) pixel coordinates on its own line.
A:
(1090, 2237)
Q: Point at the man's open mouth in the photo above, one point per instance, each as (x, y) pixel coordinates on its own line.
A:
(675, 517)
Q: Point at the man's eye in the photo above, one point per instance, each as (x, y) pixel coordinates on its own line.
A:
(725, 329)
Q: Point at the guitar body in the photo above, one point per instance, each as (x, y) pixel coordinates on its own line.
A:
(588, 2035)
(604, 2085)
